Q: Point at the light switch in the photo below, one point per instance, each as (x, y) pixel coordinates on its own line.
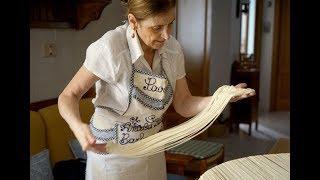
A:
(50, 50)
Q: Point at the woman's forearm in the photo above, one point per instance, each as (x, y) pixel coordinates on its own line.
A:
(69, 109)
(68, 101)
(192, 105)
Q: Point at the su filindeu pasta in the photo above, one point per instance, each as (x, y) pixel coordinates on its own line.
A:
(181, 133)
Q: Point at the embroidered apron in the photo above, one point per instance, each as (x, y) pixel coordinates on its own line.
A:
(150, 96)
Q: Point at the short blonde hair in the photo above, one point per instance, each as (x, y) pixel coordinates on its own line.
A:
(142, 9)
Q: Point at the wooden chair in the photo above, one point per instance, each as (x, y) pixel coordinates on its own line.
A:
(184, 160)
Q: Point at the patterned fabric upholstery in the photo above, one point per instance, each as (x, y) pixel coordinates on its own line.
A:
(77, 149)
(40, 167)
(198, 149)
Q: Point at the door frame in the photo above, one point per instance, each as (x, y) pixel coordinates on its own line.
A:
(258, 32)
(275, 55)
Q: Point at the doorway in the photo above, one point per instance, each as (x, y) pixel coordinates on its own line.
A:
(280, 77)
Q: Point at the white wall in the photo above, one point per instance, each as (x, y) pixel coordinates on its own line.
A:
(191, 34)
(225, 43)
(49, 76)
(266, 57)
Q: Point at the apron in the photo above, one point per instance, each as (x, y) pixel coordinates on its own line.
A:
(149, 97)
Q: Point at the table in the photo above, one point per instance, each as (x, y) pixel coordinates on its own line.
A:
(266, 166)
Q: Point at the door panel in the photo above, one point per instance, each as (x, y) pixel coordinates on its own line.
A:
(280, 85)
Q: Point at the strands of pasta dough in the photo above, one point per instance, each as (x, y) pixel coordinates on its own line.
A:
(269, 166)
(183, 132)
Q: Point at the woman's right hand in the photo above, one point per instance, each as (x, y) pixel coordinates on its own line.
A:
(86, 139)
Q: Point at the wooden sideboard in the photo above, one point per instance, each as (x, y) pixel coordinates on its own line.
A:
(246, 110)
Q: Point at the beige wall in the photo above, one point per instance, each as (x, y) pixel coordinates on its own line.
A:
(266, 58)
(48, 76)
(225, 42)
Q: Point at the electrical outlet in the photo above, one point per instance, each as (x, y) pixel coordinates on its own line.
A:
(50, 50)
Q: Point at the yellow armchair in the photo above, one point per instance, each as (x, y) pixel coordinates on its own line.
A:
(37, 133)
(49, 130)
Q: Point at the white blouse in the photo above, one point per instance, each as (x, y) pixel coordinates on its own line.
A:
(111, 58)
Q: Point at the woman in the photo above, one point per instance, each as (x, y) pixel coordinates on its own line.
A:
(138, 71)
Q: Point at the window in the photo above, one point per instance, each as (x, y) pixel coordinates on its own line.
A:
(247, 15)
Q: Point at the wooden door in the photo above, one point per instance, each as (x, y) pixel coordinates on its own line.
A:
(280, 82)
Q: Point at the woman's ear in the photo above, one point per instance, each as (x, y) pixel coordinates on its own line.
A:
(132, 21)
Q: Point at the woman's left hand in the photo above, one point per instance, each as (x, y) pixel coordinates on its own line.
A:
(237, 98)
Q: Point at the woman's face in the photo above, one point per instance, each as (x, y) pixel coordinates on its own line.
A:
(154, 31)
